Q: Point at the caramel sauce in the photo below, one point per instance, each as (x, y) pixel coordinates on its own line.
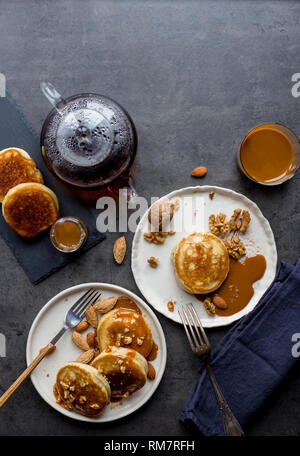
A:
(153, 354)
(123, 385)
(237, 289)
(67, 234)
(267, 154)
(126, 303)
(137, 330)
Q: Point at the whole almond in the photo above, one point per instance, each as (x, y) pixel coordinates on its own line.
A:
(151, 372)
(200, 171)
(91, 316)
(91, 339)
(220, 302)
(105, 305)
(86, 357)
(119, 249)
(82, 326)
(80, 341)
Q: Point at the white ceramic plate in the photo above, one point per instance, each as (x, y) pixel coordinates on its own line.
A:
(160, 286)
(49, 321)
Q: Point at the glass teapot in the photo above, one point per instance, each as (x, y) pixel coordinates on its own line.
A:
(89, 142)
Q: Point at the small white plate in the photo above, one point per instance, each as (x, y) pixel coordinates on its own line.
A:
(50, 320)
(159, 285)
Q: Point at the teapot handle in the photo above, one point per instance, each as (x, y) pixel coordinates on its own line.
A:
(52, 95)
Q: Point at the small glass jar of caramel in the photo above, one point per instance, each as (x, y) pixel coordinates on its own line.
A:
(68, 234)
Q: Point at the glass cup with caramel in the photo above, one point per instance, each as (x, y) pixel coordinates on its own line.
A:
(68, 234)
(269, 154)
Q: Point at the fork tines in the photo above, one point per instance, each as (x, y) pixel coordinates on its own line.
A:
(193, 327)
(90, 297)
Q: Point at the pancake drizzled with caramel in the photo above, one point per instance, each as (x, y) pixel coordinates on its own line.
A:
(125, 328)
(82, 388)
(125, 369)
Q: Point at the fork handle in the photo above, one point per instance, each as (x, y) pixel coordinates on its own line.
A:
(230, 423)
(43, 352)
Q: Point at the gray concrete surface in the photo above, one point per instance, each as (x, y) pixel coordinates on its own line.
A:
(195, 76)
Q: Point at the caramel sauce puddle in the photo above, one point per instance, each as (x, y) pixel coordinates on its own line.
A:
(237, 289)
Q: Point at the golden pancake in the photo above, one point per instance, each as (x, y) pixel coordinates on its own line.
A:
(30, 208)
(125, 328)
(16, 167)
(125, 369)
(81, 388)
(201, 263)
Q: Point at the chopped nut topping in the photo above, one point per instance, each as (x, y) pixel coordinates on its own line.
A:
(72, 388)
(127, 340)
(153, 262)
(64, 385)
(219, 224)
(118, 340)
(211, 195)
(126, 330)
(170, 306)
(66, 394)
(123, 369)
(140, 340)
(95, 406)
(82, 399)
(235, 248)
(209, 307)
(157, 237)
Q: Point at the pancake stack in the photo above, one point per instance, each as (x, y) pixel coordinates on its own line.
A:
(28, 206)
(201, 263)
(124, 340)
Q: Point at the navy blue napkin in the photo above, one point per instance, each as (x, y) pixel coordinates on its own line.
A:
(253, 358)
(37, 256)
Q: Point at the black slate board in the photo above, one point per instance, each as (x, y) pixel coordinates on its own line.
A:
(37, 255)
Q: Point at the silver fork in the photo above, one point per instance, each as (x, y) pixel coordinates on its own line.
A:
(72, 318)
(201, 347)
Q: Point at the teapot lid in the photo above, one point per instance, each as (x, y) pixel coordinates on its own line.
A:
(87, 140)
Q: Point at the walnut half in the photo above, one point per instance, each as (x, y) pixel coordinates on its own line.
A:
(235, 248)
(219, 224)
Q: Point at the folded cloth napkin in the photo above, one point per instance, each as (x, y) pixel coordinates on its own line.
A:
(253, 358)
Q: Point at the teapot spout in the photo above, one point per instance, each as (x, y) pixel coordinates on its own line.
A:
(52, 96)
